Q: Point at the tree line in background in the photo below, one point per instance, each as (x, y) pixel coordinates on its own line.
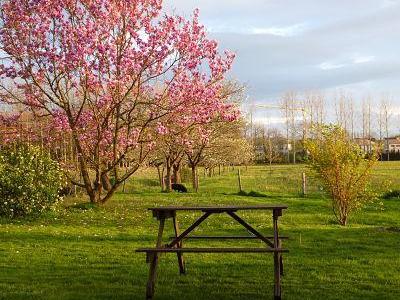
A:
(369, 123)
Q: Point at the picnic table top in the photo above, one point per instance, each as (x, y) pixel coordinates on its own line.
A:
(220, 208)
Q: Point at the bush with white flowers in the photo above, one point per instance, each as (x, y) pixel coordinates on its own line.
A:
(29, 181)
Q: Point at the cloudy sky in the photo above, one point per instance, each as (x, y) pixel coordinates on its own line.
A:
(329, 45)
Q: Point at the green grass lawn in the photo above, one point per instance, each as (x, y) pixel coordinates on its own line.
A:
(89, 253)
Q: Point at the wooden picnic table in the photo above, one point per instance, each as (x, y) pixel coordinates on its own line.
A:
(175, 245)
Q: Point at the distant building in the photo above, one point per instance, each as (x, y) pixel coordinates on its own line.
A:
(285, 148)
(367, 145)
(392, 144)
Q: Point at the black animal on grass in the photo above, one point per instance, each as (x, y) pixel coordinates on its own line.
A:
(179, 188)
(65, 191)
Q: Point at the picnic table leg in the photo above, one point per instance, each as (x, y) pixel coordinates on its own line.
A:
(281, 258)
(153, 263)
(181, 262)
(277, 257)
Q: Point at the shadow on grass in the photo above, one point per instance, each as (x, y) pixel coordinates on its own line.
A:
(249, 194)
(393, 229)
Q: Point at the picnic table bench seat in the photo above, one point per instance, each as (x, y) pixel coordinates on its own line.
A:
(227, 237)
(211, 250)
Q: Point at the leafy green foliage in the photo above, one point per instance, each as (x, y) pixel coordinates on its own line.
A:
(29, 181)
(344, 168)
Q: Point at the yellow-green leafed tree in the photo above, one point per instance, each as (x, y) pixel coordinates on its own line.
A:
(344, 168)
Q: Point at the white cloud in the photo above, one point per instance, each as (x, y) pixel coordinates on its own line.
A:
(359, 59)
(280, 31)
(356, 59)
(272, 120)
(283, 31)
(330, 66)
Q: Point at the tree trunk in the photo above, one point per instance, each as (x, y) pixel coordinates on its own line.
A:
(160, 177)
(105, 182)
(195, 182)
(168, 182)
(177, 173)
(95, 194)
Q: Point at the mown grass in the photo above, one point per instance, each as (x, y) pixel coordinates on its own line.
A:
(84, 252)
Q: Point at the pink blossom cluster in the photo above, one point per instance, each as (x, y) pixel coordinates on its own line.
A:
(116, 71)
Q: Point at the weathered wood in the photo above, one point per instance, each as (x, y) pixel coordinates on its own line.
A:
(211, 250)
(304, 184)
(277, 257)
(277, 212)
(228, 237)
(239, 181)
(164, 214)
(153, 263)
(190, 229)
(181, 262)
(250, 228)
(219, 208)
(280, 257)
(175, 246)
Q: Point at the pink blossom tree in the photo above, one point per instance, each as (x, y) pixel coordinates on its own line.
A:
(180, 135)
(107, 72)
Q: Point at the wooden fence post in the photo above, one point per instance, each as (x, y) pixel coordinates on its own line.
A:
(239, 181)
(304, 184)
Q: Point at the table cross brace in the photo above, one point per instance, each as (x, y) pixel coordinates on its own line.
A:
(250, 228)
(189, 230)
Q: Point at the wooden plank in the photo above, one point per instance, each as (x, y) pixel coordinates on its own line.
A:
(218, 208)
(277, 256)
(228, 237)
(190, 229)
(161, 214)
(211, 250)
(304, 183)
(151, 282)
(181, 262)
(250, 228)
(240, 181)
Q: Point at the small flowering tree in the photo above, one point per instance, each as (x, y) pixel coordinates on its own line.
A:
(214, 145)
(186, 138)
(344, 168)
(106, 72)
